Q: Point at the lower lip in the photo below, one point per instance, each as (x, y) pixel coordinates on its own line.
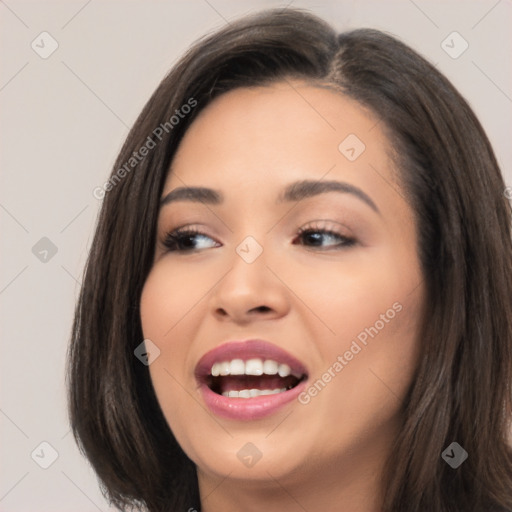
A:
(247, 409)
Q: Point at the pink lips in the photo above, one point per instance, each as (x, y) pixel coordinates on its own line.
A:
(254, 407)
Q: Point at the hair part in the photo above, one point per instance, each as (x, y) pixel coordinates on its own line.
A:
(449, 174)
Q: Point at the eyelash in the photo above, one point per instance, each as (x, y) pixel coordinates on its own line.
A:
(174, 238)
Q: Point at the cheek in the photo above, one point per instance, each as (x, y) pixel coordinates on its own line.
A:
(171, 295)
(173, 303)
(373, 306)
(350, 294)
(170, 301)
(165, 306)
(377, 321)
(376, 370)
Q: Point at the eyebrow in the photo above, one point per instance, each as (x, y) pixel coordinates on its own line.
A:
(295, 191)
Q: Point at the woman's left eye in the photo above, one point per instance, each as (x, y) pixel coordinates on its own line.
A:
(316, 235)
(183, 239)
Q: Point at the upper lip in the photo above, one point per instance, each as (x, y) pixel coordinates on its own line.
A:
(245, 350)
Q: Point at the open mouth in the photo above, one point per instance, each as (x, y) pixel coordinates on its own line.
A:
(249, 369)
(249, 380)
(239, 378)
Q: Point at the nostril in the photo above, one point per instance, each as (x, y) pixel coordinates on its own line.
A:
(262, 308)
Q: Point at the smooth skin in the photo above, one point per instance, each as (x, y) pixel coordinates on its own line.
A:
(311, 295)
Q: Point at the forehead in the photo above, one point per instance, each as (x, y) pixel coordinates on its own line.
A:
(255, 138)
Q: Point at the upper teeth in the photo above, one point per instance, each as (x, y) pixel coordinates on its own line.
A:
(251, 367)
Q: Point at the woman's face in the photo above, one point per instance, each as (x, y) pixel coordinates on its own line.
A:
(339, 305)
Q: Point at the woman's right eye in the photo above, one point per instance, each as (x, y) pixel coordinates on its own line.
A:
(182, 240)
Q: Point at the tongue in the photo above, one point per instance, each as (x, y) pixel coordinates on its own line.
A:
(239, 382)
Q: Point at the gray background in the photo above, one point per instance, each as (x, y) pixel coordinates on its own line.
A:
(64, 120)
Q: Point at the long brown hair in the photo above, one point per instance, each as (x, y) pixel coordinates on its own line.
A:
(462, 389)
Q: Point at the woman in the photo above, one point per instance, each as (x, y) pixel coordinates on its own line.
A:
(298, 293)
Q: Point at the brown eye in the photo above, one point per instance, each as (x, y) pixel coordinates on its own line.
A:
(184, 240)
(314, 236)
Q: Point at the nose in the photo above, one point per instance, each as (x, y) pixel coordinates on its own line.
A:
(249, 292)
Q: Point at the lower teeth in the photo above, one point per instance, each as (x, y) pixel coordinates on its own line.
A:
(249, 393)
